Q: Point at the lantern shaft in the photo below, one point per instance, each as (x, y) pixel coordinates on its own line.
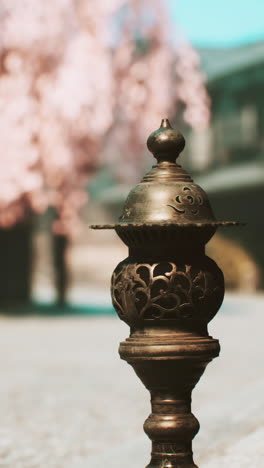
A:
(169, 363)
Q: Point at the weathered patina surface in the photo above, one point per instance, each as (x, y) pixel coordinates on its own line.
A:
(167, 291)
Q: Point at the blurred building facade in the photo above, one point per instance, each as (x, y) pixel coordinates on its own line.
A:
(235, 83)
(228, 157)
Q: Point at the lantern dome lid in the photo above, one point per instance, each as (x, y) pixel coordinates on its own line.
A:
(167, 195)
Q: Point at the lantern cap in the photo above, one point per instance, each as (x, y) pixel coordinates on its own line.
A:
(167, 196)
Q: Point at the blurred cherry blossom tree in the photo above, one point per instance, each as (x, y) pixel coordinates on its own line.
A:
(75, 76)
(154, 76)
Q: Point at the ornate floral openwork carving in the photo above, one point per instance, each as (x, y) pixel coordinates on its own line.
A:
(166, 291)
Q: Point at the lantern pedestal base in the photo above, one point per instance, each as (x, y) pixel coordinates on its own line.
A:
(170, 365)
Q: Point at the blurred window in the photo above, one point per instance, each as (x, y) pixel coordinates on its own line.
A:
(249, 124)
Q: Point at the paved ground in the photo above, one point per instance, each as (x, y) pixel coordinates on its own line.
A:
(67, 401)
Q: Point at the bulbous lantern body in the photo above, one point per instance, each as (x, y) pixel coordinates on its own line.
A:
(167, 290)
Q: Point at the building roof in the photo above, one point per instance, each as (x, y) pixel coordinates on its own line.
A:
(219, 62)
(233, 178)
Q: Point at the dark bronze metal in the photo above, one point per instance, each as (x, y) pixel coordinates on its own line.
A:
(167, 291)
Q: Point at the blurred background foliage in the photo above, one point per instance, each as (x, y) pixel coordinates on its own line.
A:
(82, 84)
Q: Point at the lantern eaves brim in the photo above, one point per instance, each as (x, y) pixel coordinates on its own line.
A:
(166, 225)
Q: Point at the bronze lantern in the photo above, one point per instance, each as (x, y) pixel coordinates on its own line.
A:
(167, 290)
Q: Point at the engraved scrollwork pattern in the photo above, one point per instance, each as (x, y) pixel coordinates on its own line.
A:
(166, 291)
(188, 202)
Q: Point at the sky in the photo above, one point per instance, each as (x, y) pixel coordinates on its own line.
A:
(219, 22)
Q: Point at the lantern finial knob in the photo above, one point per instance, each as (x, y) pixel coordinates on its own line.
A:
(166, 143)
